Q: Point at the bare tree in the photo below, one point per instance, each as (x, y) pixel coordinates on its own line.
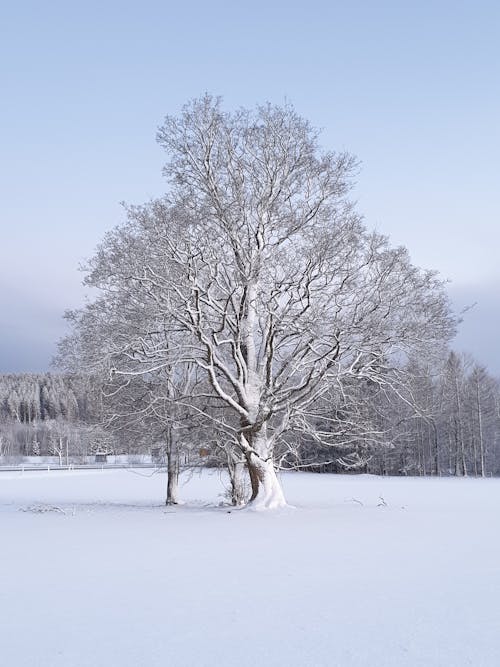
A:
(481, 390)
(258, 260)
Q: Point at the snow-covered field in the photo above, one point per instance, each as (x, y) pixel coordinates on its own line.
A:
(364, 571)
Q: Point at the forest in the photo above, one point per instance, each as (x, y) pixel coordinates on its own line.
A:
(50, 415)
(444, 422)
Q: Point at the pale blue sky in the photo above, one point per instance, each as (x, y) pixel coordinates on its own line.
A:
(412, 88)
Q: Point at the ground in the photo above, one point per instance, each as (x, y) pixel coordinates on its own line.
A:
(363, 571)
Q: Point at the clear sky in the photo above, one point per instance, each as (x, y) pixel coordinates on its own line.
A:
(412, 88)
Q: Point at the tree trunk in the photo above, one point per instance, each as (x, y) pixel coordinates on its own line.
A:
(480, 429)
(236, 468)
(266, 488)
(435, 448)
(237, 484)
(172, 469)
(460, 434)
(474, 442)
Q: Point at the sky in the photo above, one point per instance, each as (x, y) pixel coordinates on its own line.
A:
(411, 88)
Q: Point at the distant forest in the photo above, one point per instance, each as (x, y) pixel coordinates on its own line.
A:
(31, 398)
(51, 415)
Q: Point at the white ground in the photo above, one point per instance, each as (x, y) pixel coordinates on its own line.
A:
(119, 580)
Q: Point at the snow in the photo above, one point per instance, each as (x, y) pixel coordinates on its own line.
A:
(364, 571)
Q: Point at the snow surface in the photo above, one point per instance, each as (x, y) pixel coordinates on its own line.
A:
(96, 572)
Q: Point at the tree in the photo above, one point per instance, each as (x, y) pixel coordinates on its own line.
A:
(483, 425)
(257, 269)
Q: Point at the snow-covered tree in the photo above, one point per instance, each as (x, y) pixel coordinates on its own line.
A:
(257, 269)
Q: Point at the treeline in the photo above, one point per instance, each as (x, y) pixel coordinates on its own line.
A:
(451, 424)
(443, 420)
(51, 415)
(439, 420)
(28, 398)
